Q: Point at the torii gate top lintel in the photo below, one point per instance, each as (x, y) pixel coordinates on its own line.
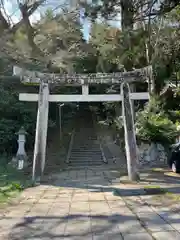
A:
(137, 75)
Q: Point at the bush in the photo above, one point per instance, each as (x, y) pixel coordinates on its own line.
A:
(153, 124)
(14, 114)
(171, 101)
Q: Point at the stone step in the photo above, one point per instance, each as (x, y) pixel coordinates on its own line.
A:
(86, 143)
(83, 144)
(82, 152)
(81, 141)
(85, 160)
(81, 138)
(85, 157)
(97, 155)
(90, 148)
(85, 153)
(92, 156)
(86, 149)
(77, 145)
(85, 164)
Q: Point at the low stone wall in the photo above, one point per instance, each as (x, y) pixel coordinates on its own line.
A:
(152, 154)
(113, 152)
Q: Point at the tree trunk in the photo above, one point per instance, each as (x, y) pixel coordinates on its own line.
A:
(127, 24)
(127, 12)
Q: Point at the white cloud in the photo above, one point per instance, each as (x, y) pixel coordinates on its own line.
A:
(35, 17)
(10, 10)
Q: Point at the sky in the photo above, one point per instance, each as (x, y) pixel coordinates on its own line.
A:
(12, 9)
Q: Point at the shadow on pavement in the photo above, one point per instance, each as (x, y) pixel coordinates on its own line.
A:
(78, 226)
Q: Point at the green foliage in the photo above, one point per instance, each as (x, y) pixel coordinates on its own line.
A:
(174, 116)
(14, 113)
(110, 8)
(111, 49)
(153, 124)
(171, 99)
(86, 63)
(12, 181)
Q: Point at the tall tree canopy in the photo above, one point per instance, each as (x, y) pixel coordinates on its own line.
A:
(33, 35)
(139, 8)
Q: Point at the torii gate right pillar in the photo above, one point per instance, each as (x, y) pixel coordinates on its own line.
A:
(129, 133)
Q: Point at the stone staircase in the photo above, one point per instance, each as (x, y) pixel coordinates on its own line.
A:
(86, 150)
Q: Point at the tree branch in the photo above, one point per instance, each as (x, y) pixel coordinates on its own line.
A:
(29, 30)
(3, 23)
(11, 30)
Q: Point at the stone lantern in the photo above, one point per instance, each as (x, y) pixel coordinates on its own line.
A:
(21, 155)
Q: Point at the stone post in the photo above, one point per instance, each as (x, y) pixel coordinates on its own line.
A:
(60, 120)
(21, 153)
(178, 138)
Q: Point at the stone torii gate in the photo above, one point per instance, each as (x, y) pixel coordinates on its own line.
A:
(44, 80)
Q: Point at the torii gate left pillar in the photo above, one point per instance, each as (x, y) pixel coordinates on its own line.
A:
(41, 132)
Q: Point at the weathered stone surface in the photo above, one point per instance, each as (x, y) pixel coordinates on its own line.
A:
(172, 218)
(154, 222)
(166, 235)
(60, 213)
(98, 78)
(109, 236)
(130, 225)
(138, 236)
(152, 154)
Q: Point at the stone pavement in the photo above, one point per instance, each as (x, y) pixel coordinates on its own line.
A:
(83, 205)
